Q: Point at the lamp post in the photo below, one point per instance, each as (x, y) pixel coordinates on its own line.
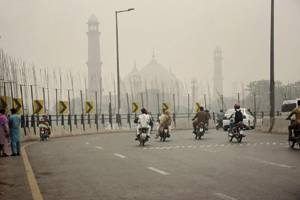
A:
(272, 82)
(117, 49)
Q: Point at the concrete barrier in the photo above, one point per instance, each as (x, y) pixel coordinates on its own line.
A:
(64, 131)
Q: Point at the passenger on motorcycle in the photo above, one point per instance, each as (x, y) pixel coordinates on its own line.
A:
(200, 116)
(165, 121)
(238, 117)
(143, 121)
(295, 124)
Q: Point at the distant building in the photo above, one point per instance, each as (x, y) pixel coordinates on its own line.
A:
(94, 59)
(218, 73)
(153, 80)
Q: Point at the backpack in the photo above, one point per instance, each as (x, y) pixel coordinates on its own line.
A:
(238, 116)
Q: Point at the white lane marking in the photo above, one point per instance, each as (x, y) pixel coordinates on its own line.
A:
(98, 147)
(190, 146)
(210, 151)
(248, 144)
(158, 171)
(272, 163)
(268, 143)
(119, 155)
(261, 143)
(87, 143)
(224, 196)
(274, 143)
(222, 145)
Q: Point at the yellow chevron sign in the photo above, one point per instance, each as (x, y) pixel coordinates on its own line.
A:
(135, 107)
(4, 102)
(17, 104)
(198, 107)
(38, 107)
(165, 106)
(63, 107)
(89, 107)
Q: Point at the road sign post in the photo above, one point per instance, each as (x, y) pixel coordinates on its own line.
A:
(70, 114)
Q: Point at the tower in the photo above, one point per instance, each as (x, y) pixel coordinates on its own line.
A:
(218, 73)
(94, 60)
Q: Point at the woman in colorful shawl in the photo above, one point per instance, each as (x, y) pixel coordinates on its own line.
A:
(4, 134)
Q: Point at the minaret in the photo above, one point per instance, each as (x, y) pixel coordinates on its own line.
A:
(94, 61)
(218, 73)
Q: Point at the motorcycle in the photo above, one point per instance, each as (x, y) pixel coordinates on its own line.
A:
(44, 134)
(236, 132)
(200, 130)
(164, 134)
(295, 138)
(219, 124)
(143, 136)
(206, 126)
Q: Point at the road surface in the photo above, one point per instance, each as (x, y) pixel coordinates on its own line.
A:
(113, 166)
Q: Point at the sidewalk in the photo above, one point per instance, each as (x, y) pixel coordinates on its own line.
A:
(13, 180)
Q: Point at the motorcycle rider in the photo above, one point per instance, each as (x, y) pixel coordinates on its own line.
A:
(207, 122)
(220, 117)
(200, 116)
(238, 117)
(295, 124)
(164, 122)
(143, 121)
(44, 123)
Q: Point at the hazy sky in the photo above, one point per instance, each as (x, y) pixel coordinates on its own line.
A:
(183, 34)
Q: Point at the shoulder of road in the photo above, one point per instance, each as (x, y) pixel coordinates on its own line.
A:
(13, 181)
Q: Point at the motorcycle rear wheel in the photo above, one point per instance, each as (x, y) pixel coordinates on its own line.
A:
(239, 139)
(230, 138)
(292, 144)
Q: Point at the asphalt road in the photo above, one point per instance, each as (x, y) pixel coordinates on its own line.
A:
(113, 166)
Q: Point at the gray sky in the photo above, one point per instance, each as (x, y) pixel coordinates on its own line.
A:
(183, 34)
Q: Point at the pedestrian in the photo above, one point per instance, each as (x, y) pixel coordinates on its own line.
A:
(4, 134)
(14, 125)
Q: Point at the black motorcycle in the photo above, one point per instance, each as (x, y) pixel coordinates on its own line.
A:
(236, 132)
(295, 138)
(143, 136)
(219, 124)
(164, 134)
(44, 134)
(200, 130)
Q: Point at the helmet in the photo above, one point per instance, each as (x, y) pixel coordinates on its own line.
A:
(237, 106)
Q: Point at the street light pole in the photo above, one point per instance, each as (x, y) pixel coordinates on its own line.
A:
(272, 82)
(118, 62)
